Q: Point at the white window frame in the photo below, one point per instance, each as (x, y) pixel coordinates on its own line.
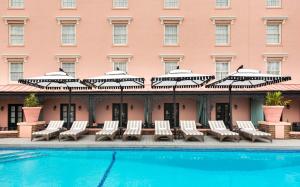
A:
(113, 34)
(61, 34)
(115, 62)
(9, 71)
(116, 7)
(166, 7)
(9, 35)
(63, 7)
(177, 43)
(223, 7)
(274, 60)
(12, 7)
(165, 62)
(280, 33)
(228, 34)
(65, 62)
(222, 61)
(279, 6)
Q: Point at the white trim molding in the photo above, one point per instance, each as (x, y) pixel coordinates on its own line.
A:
(280, 19)
(111, 57)
(223, 19)
(15, 19)
(6, 57)
(171, 19)
(283, 56)
(171, 57)
(120, 19)
(60, 57)
(68, 19)
(218, 56)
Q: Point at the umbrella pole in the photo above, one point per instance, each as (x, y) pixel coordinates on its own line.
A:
(121, 107)
(69, 109)
(230, 108)
(174, 107)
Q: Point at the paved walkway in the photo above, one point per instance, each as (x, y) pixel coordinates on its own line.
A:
(147, 142)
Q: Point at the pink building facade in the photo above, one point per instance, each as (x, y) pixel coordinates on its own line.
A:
(147, 38)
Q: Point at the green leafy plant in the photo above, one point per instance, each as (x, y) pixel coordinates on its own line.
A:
(31, 101)
(276, 99)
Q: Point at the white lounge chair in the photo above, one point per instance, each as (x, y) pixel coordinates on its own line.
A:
(162, 130)
(218, 129)
(109, 131)
(189, 131)
(247, 129)
(133, 130)
(52, 130)
(78, 128)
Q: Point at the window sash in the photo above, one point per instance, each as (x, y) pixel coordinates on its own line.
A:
(273, 33)
(69, 68)
(120, 3)
(222, 34)
(171, 35)
(68, 34)
(171, 3)
(169, 66)
(16, 71)
(274, 67)
(120, 34)
(273, 3)
(121, 65)
(16, 4)
(222, 3)
(16, 34)
(68, 3)
(222, 69)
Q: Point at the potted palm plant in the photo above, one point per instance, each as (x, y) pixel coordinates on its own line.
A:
(274, 105)
(32, 108)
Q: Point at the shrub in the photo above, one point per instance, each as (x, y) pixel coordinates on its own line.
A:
(31, 101)
(276, 99)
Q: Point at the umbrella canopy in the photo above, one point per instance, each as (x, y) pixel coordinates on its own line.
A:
(116, 80)
(180, 79)
(246, 78)
(55, 81)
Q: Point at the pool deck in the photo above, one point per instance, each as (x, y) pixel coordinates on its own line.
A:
(147, 142)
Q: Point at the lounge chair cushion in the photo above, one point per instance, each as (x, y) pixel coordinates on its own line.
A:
(45, 132)
(109, 128)
(189, 128)
(134, 128)
(217, 125)
(106, 132)
(162, 128)
(246, 125)
(225, 132)
(191, 132)
(72, 132)
(255, 132)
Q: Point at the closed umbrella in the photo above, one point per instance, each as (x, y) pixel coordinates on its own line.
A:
(116, 80)
(179, 79)
(245, 78)
(56, 81)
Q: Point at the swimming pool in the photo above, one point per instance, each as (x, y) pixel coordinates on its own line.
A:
(134, 168)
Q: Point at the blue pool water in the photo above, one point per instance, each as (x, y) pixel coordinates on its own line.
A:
(135, 168)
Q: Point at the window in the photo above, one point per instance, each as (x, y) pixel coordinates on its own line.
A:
(273, 33)
(68, 34)
(120, 34)
(16, 34)
(169, 66)
(69, 68)
(120, 3)
(171, 3)
(274, 66)
(222, 3)
(171, 35)
(273, 3)
(222, 69)
(68, 3)
(16, 3)
(16, 70)
(121, 66)
(222, 34)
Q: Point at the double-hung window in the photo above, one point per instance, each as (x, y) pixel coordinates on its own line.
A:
(120, 34)
(170, 65)
(16, 34)
(120, 66)
(170, 4)
(273, 3)
(68, 4)
(16, 70)
(69, 68)
(274, 66)
(273, 33)
(171, 34)
(68, 34)
(120, 3)
(222, 3)
(16, 3)
(222, 34)
(222, 69)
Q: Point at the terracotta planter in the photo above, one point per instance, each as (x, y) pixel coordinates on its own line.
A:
(31, 113)
(273, 113)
